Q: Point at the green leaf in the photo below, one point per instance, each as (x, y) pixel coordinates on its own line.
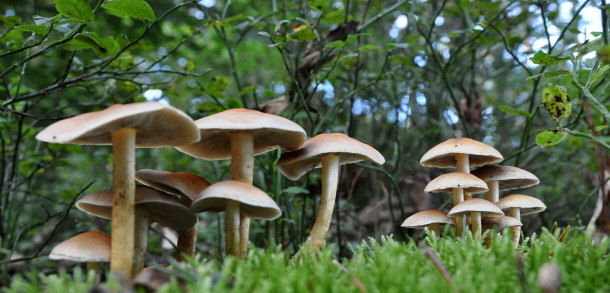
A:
(548, 74)
(137, 9)
(10, 21)
(302, 32)
(295, 190)
(406, 60)
(83, 42)
(217, 85)
(37, 29)
(393, 46)
(556, 101)
(319, 5)
(216, 22)
(599, 128)
(77, 9)
(601, 72)
(545, 59)
(335, 16)
(209, 107)
(238, 17)
(69, 194)
(189, 66)
(109, 47)
(369, 48)
(550, 137)
(512, 111)
(247, 90)
(336, 44)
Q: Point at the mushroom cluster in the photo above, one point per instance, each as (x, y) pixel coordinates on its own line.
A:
(462, 154)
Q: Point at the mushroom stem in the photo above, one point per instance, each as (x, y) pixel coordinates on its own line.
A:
(232, 228)
(458, 197)
(330, 176)
(123, 198)
(436, 228)
(141, 239)
(516, 213)
(463, 163)
(242, 169)
(493, 194)
(475, 217)
(187, 243)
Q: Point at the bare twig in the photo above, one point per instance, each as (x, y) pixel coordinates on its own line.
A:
(439, 265)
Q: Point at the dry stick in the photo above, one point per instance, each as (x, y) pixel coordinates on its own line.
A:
(123, 201)
(439, 265)
(352, 278)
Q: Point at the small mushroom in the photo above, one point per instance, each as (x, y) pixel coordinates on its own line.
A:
(517, 205)
(499, 223)
(150, 206)
(125, 127)
(476, 207)
(328, 151)
(185, 185)
(461, 153)
(235, 197)
(456, 183)
(430, 218)
(91, 247)
(239, 135)
(500, 178)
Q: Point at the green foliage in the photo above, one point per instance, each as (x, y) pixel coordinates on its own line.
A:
(137, 9)
(77, 9)
(542, 58)
(556, 101)
(550, 137)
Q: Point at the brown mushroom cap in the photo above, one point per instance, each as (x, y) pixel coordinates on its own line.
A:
(443, 154)
(90, 246)
(508, 177)
(157, 125)
(526, 204)
(480, 205)
(500, 222)
(449, 181)
(177, 183)
(253, 202)
(163, 208)
(294, 164)
(424, 218)
(269, 131)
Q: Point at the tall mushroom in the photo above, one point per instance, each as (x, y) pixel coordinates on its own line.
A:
(125, 127)
(235, 197)
(150, 206)
(433, 219)
(456, 183)
(185, 185)
(239, 135)
(328, 151)
(92, 247)
(517, 205)
(500, 178)
(475, 207)
(461, 153)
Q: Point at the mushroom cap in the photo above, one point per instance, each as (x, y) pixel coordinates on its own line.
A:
(527, 204)
(92, 246)
(443, 154)
(480, 205)
(500, 222)
(270, 132)
(163, 208)
(508, 177)
(449, 181)
(185, 185)
(294, 164)
(424, 218)
(253, 202)
(156, 125)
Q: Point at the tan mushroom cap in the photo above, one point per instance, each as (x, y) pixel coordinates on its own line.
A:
(270, 132)
(424, 218)
(443, 154)
(508, 177)
(253, 202)
(480, 205)
(500, 222)
(177, 183)
(163, 208)
(526, 204)
(156, 125)
(295, 164)
(90, 246)
(449, 181)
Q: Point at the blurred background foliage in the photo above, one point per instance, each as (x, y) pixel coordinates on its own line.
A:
(402, 76)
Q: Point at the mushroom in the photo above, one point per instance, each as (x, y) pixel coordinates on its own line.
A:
(430, 218)
(150, 206)
(235, 197)
(239, 135)
(456, 183)
(517, 205)
(328, 151)
(476, 207)
(125, 127)
(461, 153)
(500, 178)
(499, 223)
(91, 247)
(185, 185)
